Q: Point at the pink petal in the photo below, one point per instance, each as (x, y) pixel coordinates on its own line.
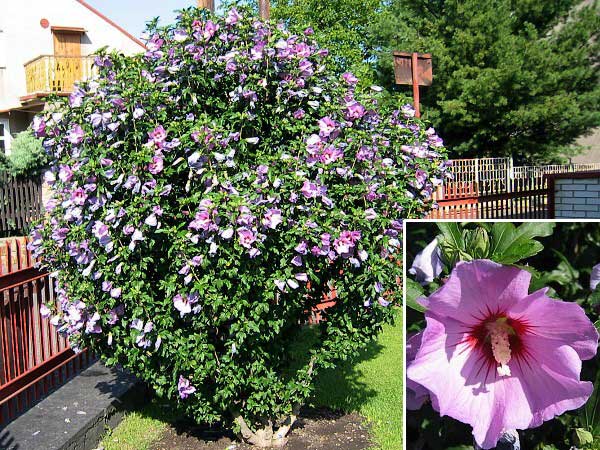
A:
(475, 287)
(565, 323)
(416, 394)
(461, 384)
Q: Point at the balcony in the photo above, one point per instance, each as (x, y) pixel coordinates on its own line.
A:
(56, 74)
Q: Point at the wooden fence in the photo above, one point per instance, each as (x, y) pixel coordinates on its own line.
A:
(492, 188)
(34, 359)
(20, 203)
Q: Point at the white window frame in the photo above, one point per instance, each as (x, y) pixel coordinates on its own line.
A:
(7, 136)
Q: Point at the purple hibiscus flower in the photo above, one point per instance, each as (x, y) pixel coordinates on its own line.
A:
(595, 277)
(233, 16)
(350, 78)
(156, 165)
(327, 126)
(427, 264)
(330, 154)
(91, 326)
(183, 303)
(246, 237)
(310, 190)
(498, 358)
(421, 177)
(272, 218)
(75, 135)
(185, 388)
(39, 126)
(416, 395)
(354, 110)
(344, 244)
(65, 174)
(158, 136)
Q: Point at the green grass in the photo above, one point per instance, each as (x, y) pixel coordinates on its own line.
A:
(370, 385)
(138, 430)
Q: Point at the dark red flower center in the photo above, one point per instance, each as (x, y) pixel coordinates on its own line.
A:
(499, 340)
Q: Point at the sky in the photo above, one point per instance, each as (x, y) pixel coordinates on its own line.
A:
(133, 14)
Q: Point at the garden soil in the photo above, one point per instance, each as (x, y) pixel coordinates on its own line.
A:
(319, 429)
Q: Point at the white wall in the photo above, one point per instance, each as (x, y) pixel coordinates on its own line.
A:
(22, 38)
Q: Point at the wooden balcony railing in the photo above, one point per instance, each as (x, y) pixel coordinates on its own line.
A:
(53, 73)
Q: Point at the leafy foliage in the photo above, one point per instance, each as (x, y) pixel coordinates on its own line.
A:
(511, 77)
(343, 26)
(27, 156)
(208, 193)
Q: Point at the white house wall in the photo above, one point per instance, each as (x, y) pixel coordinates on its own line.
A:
(22, 38)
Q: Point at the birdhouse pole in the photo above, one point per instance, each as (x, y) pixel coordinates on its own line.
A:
(414, 69)
(207, 4)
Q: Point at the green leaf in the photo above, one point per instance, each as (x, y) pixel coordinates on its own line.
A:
(452, 234)
(511, 244)
(414, 291)
(451, 244)
(583, 437)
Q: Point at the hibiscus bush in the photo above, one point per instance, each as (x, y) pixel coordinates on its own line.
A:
(208, 193)
(502, 335)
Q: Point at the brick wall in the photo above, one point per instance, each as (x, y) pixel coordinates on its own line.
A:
(576, 195)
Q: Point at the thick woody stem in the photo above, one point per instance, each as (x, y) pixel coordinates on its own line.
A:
(264, 437)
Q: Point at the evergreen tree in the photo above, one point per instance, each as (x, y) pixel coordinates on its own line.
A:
(516, 77)
(511, 77)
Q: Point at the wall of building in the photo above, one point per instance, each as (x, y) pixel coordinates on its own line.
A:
(577, 197)
(22, 38)
(591, 143)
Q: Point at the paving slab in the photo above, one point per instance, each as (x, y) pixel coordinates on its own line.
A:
(75, 416)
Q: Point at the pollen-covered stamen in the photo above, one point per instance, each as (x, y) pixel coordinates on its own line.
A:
(499, 332)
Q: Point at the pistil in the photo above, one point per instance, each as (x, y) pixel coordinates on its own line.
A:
(499, 332)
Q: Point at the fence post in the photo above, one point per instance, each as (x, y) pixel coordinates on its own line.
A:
(510, 174)
(477, 176)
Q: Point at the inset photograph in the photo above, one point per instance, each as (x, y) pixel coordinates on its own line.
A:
(502, 335)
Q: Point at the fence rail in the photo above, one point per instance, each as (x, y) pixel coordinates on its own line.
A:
(34, 359)
(490, 176)
(20, 202)
(492, 188)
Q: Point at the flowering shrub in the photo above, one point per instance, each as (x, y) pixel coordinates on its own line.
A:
(207, 194)
(499, 351)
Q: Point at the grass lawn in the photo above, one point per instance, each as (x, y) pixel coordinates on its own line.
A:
(371, 386)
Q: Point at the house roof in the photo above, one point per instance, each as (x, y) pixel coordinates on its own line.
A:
(106, 19)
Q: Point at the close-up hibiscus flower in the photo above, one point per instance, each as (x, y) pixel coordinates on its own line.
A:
(496, 354)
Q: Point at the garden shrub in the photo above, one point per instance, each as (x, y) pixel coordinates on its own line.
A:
(27, 156)
(207, 194)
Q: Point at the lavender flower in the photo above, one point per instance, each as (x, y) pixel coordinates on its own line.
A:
(522, 351)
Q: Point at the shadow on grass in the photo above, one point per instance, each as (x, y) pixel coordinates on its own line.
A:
(341, 388)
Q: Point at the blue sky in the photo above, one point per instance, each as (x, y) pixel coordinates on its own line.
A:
(133, 14)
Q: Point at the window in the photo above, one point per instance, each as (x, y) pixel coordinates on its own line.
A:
(4, 135)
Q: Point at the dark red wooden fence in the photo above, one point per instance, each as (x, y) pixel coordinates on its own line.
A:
(20, 202)
(524, 198)
(34, 359)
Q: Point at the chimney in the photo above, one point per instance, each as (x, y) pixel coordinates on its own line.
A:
(207, 4)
